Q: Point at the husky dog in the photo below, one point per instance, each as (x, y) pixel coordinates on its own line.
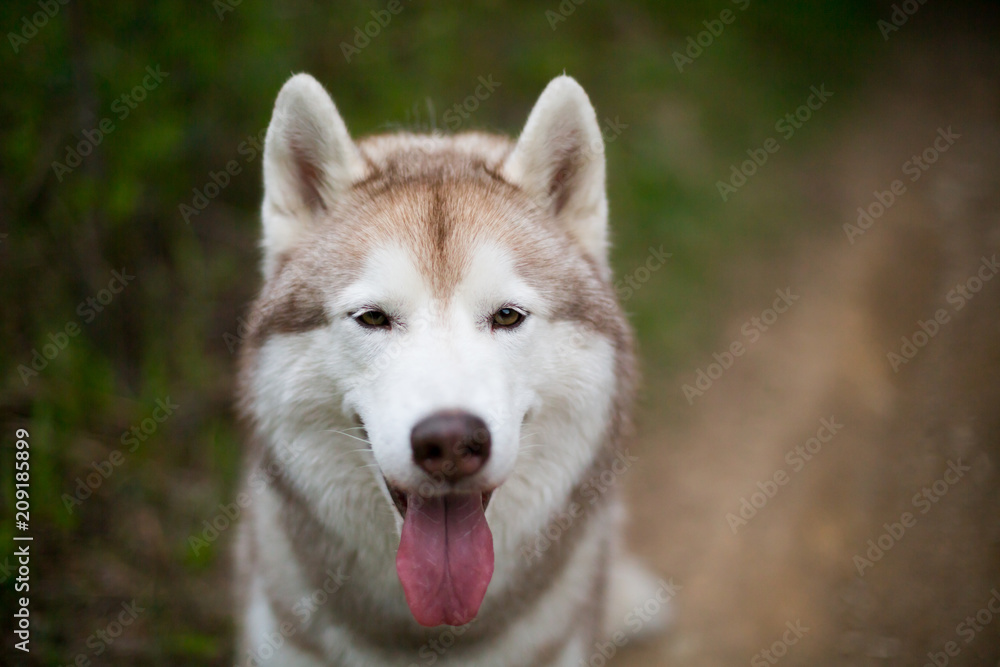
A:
(436, 373)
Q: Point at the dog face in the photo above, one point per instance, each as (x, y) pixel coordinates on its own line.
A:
(423, 349)
(438, 296)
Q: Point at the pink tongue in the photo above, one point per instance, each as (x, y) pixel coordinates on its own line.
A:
(445, 558)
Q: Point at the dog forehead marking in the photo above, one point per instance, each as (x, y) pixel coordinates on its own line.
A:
(443, 202)
(442, 220)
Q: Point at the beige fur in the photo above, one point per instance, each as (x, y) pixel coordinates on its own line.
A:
(438, 230)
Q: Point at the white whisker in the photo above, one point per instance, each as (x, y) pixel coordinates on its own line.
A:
(348, 435)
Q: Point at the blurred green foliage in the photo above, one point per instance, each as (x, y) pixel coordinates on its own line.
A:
(163, 334)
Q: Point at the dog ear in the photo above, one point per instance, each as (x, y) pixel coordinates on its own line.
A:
(559, 162)
(309, 161)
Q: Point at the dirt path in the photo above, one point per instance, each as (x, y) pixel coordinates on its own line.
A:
(908, 459)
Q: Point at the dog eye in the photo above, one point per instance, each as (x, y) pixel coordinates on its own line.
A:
(507, 318)
(373, 318)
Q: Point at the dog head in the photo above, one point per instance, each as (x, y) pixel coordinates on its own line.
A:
(437, 295)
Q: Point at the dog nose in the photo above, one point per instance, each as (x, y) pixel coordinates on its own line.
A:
(451, 444)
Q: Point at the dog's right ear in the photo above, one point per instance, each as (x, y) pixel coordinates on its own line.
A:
(559, 161)
(309, 161)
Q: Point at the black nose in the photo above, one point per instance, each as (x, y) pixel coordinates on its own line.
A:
(451, 444)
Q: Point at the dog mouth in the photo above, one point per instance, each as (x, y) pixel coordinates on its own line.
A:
(401, 499)
(445, 556)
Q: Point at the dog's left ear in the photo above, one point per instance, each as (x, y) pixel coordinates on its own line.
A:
(559, 162)
(309, 161)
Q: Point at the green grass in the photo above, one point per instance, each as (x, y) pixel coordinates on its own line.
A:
(163, 335)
